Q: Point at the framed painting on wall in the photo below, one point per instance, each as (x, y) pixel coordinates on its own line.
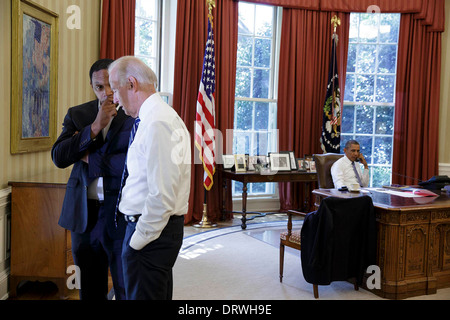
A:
(34, 75)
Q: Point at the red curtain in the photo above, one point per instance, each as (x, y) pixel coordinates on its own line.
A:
(417, 103)
(304, 65)
(117, 37)
(189, 52)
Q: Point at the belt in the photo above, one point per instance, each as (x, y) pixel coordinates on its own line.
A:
(132, 219)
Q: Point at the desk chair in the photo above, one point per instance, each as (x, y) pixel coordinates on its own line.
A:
(324, 162)
(337, 242)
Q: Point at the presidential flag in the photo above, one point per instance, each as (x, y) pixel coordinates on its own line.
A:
(205, 116)
(331, 123)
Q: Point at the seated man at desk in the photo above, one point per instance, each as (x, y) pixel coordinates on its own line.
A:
(347, 171)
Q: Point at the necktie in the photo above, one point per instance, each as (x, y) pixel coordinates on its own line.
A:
(125, 169)
(356, 174)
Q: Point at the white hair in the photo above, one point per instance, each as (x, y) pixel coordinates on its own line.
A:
(130, 66)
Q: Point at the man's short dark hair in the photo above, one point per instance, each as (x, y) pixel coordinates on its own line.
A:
(350, 142)
(100, 65)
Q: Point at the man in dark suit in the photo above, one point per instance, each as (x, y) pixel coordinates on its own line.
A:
(94, 140)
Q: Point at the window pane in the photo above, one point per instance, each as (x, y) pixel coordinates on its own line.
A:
(264, 22)
(245, 51)
(389, 28)
(385, 120)
(263, 52)
(246, 18)
(368, 27)
(365, 88)
(385, 88)
(243, 82)
(383, 150)
(258, 188)
(348, 119)
(351, 62)
(387, 57)
(349, 94)
(381, 176)
(147, 38)
(364, 119)
(261, 116)
(147, 9)
(354, 30)
(261, 83)
(242, 142)
(243, 115)
(366, 58)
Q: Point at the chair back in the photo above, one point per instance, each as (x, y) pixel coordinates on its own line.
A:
(324, 162)
(338, 241)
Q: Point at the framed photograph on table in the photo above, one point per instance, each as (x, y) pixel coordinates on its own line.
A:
(301, 165)
(280, 161)
(34, 72)
(312, 166)
(239, 163)
(252, 160)
(228, 161)
(294, 165)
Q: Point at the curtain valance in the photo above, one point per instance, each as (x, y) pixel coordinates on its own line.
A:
(430, 11)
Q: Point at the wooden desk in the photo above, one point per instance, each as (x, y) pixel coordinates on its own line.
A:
(253, 176)
(40, 248)
(413, 242)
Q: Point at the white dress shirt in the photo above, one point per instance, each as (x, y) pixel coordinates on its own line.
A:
(343, 174)
(159, 169)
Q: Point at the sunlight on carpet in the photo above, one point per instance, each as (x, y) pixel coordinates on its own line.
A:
(231, 264)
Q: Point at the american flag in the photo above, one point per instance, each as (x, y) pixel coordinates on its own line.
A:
(205, 116)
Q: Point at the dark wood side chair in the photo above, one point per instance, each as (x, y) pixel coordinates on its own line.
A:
(289, 238)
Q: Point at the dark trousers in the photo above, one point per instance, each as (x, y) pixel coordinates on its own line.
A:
(148, 272)
(93, 252)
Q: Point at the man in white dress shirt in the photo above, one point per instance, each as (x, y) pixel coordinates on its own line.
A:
(347, 170)
(155, 197)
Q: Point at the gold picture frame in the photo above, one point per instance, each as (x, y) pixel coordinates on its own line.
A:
(34, 77)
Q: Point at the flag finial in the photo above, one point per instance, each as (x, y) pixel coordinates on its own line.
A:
(335, 21)
(211, 4)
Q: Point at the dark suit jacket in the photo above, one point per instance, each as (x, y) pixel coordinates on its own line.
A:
(338, 241)
(106, 159)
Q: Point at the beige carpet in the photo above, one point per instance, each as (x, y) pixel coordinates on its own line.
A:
(233, 264)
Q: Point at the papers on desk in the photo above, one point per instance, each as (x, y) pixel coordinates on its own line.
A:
(406, 192)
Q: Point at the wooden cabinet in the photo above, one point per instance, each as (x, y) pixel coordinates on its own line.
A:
(40, 248)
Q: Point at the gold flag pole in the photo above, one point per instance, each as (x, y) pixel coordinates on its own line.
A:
(205, 223)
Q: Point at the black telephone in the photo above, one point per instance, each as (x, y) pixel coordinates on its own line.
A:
(436, 183)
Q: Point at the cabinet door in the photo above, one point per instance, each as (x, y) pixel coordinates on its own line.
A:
(38, 243)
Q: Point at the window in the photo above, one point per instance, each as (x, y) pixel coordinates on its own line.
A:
(369, 101)
(147, 33)
(255, 104)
